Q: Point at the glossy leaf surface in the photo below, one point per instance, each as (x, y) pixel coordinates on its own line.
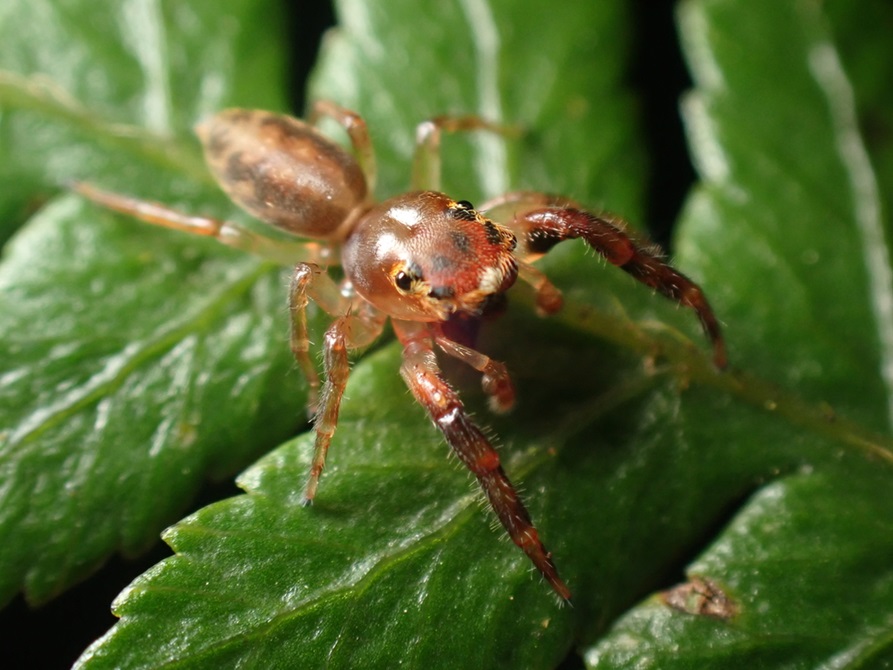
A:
(633, 467)
(788, 225)
(118, 342)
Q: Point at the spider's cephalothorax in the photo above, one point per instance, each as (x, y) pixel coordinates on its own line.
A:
(423, 260)
(422, 257)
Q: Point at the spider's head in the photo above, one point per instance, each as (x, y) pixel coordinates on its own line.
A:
(423, 256)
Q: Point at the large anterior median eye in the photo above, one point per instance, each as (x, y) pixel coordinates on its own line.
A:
(403, 281)
(406, 278)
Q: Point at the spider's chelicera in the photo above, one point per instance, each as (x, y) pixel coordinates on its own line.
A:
(421, 259)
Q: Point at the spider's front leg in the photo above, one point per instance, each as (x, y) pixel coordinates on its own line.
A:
(424, 379)
(541, 221)
(356, 326)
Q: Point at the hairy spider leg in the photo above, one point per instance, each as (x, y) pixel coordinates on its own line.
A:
(357, 325)
(357, 131)
(277, 250)
(422, 375)
(426, 161)
(541, 221)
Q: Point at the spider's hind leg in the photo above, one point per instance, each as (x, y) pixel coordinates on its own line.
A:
(356, 129)
(276, 249)
(541, 221)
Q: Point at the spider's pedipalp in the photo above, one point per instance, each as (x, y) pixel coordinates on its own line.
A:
(495, 379)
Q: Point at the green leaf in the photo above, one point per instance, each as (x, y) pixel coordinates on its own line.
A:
(109, 91)
(135, 369)
(802, 211)
(860, 33)
(401, 65)
(632, 471)
(119, 344)
(800, 575)
(806, 565)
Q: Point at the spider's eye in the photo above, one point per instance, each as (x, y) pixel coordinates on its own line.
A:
(462, 210)
(404, 279)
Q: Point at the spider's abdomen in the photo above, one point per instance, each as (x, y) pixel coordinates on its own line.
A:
(283, 171)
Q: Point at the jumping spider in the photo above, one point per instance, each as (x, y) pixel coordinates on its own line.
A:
(421, 259)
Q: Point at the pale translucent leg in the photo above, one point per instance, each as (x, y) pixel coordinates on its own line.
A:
(426, 163)
(346, 332)
(356, 326)
(356, 129)
(278, 250)
(548, 297)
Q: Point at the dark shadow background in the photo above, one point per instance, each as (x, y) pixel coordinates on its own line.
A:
(54, 635)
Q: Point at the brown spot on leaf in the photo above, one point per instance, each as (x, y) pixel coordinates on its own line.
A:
(701, 597)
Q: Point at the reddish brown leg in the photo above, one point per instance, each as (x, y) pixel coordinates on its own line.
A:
(423, 377)
(542, 221)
